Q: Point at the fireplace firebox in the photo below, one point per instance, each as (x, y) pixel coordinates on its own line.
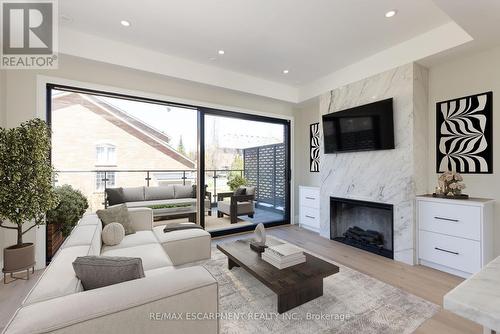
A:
(365, 225)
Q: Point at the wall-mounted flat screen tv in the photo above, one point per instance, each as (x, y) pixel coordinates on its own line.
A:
(364, 128)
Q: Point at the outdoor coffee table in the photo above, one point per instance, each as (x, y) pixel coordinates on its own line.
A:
(294, 285)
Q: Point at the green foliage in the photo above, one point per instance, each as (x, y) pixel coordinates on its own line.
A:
(235, 181)
(71, 207)
(180, 147)
(26, 191)
(236, 166)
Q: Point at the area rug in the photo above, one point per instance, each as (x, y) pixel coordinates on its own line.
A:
(352, 302)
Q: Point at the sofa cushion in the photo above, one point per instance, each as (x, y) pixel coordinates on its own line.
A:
(153, 256)
(95, 245)
(182, 191)
(157, 193)
(59, 278)
(132, 240)
(116, 214)
(114, 196)
(133, 194)
(145, 204)
(243, 207)
(81, 236)
(89, 219)
(113, 234)
(99, 271)
(184, 246)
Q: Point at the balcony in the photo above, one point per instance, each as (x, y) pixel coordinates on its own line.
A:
(92, 183)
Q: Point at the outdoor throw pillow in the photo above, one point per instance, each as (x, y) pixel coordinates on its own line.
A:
(114, 196)
(240, 191)
(112, 234)
(99, 271)
(116, 214)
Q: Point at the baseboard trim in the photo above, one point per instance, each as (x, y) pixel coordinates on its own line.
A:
(446, 269)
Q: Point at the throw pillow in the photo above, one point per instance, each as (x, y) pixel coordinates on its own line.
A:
(114, 196)
(99, 271)
(112, 234)
(116, 214)
(240, 191)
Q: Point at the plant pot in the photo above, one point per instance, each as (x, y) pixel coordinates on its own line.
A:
(18, 258)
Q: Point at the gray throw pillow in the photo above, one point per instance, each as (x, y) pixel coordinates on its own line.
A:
(99, 271)
(240, 191)
(116, 214)
(114, 196)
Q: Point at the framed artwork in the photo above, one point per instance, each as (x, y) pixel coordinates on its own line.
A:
(464, 134)
(314, 147)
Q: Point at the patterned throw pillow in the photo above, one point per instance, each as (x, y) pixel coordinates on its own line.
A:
(116, 214)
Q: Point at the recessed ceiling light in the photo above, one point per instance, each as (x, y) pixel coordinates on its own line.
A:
(285, 71)
(391, 13)
(125, 23)
(65, 19)
(221, 52)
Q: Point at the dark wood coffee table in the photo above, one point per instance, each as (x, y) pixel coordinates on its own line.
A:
(294, 285)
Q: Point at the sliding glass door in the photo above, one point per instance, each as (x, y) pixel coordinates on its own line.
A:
(168, 156)
(246, 168)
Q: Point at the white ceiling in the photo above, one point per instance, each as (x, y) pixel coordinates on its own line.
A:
(311, 38)
(261, 38)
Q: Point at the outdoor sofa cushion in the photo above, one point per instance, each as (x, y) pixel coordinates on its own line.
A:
(157, 193)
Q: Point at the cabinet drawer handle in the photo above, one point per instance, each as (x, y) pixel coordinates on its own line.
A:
(311, 198)
(447, 219)
(444, 250)
(310, 217)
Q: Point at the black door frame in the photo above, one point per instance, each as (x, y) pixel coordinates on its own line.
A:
(202, 111)
(201, 162)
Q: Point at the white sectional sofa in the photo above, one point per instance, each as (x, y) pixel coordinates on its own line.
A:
(58, 304)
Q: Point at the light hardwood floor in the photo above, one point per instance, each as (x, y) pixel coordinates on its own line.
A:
(421, 281)
(424, 282)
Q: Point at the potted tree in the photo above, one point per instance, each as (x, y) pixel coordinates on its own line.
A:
(26, 191)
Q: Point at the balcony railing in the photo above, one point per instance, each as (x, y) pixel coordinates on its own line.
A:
(92, 183)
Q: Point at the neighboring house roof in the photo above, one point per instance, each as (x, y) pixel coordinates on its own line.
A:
(125, 121)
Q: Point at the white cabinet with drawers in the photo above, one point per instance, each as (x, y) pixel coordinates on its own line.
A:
(309, 208)
(455, 236)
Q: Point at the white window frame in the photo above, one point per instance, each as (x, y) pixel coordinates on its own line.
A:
(99, 184)
(108, 157)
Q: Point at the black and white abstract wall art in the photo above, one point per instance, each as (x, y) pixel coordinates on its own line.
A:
(314, 147)
(464, 134)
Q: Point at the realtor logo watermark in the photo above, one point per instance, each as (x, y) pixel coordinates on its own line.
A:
(29, 34)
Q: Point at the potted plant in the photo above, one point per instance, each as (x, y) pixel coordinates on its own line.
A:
(61, 219)
(236, 181)
(26, 191)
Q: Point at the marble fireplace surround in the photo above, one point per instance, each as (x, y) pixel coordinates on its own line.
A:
(389, 176)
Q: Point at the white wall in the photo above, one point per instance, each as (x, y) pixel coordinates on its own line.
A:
(20, 98)
(21, 87)
(467, 75)
(305, 114)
